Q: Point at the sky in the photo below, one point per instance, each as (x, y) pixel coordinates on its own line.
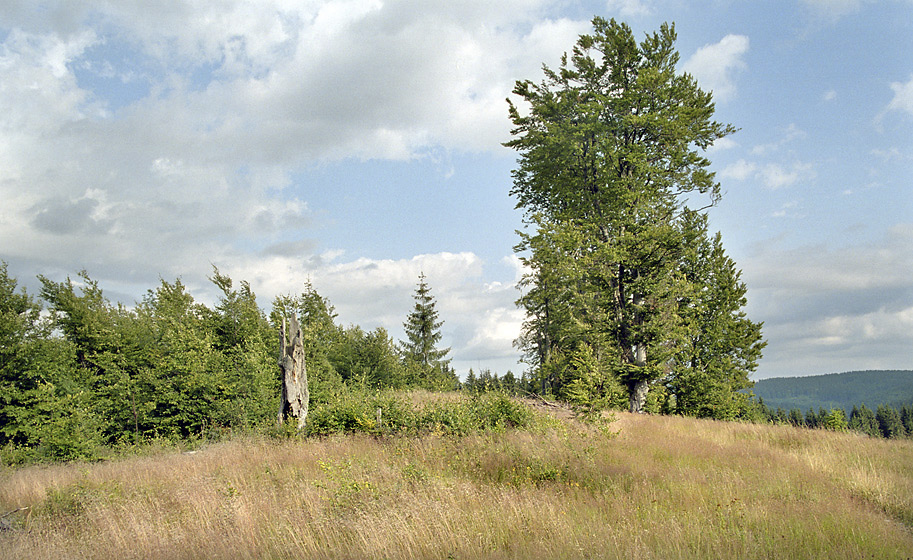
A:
(356, 144)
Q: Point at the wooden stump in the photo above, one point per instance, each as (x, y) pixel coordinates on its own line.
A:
(293, 373)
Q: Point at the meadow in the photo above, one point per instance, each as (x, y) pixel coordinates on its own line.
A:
(646, 487)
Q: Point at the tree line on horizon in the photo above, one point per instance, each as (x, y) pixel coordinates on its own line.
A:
(886, 421)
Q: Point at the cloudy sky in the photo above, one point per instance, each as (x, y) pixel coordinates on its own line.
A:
(357, 143)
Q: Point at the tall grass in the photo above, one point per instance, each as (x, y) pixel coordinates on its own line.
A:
(664, 487)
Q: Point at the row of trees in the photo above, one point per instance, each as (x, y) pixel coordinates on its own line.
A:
(628, 292)
(886, 421)
(78, 371)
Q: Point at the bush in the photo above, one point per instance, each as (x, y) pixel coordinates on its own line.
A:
(389, 413)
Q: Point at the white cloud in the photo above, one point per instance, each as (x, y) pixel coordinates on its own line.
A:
(715, 65)
(776, 176)
(286, 85)
(725, 143)
(194, 167)
(772, 175)
(496, 332)
(789, 134)
(787, 210)
(903, 97)
(829, 95)
(629, 8)
(739, 171)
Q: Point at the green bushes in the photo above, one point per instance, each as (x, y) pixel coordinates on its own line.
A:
(81, 375)
(391, 413)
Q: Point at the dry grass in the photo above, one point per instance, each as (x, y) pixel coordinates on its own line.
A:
(663, 488)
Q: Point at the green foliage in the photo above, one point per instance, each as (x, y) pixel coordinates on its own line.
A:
(320, 335)
(889, 422)
(834, 419)
(367, 359)
(490, 381)
(592, 387)
(390, 413)
(357, 411)
(425, 362)
(906, 418)
(90, 376)
(720, 346)
(608, 152)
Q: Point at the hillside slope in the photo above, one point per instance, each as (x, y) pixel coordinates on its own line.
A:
(838, 390)
(663, 487)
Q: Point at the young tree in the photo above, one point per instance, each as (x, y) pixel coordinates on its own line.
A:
(608, 152)
(104, 340)
(889, 422)
(183, 386)
(906, 418)
(423, 332)
(863, 420)
(42, 406)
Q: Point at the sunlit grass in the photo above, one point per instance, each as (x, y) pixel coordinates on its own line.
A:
(664, 487)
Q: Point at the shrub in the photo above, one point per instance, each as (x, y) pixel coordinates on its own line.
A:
(389, 413)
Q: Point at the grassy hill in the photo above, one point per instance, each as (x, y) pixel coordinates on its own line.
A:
(660, 487)
(838, 390)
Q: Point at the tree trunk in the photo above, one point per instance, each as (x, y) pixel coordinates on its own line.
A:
(293, 373)
(641, 387)
(639, 395)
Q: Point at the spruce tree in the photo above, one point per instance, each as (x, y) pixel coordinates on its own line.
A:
(906, 418)
(889, 422)
(423, 333)
(863, 420)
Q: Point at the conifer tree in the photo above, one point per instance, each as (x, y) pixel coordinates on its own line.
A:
(423, 332)
(889, 422)
(863, 420)
(906, 418)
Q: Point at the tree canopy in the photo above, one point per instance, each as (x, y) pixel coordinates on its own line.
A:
(611, 160)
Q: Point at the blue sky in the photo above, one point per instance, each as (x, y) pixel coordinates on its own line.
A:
(357, 143)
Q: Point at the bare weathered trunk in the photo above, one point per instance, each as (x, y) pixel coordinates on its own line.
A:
(293, 373)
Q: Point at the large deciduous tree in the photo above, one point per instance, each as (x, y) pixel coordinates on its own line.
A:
(610, 156)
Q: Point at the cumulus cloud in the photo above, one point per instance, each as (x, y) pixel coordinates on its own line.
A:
(739, 170)
(776, 176)
(142, 143)
(716, 65)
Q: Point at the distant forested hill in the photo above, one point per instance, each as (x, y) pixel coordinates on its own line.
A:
(837, 390)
